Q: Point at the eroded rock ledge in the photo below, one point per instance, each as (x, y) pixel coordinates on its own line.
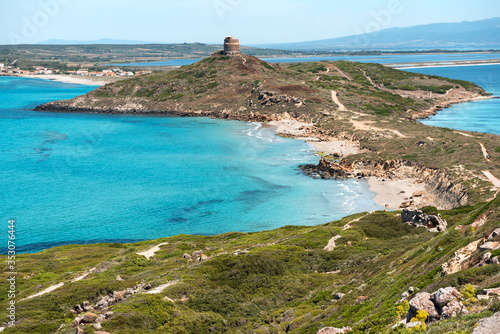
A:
(445, 191)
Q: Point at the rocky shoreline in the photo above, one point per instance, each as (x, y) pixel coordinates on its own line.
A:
(443, 191)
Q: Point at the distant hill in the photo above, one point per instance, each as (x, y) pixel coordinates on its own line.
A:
(473, 35)
(100, 41)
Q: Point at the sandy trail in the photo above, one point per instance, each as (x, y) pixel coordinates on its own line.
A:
(49, 289)
(362, 126)
(492, 179)
(162, 287)
(79, 278)
(485, 153)
(331, 244)
(348, 225)
(337, 102)
(342, 73)
(464, 134)
(151, 252)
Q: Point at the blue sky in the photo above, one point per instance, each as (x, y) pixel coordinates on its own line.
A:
(208, 21)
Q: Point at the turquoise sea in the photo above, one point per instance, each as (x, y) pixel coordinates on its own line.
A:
(86, 178)
(482, 116)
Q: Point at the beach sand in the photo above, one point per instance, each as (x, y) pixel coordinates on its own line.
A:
(394, 192)
(76, 79)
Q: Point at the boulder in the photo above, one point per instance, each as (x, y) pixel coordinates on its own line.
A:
(361, 299)
(422, 301)
(79, 331)
(78, 308)
(109, 314)
(490, 245)
(86, 306)
(417, 218)
(488, 292)
(489, 325)
(452, 309)
(118, 278)
(494, 234)
(76, 322)
(100, 318)
(89, 317)
(443, 296)
(97, 325)
(118, 297)
(186, 256)
(338, 296)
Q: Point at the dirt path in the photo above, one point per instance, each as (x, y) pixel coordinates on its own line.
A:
(368, 78)
(464, 134)
(151, 252)
(485, 153)
(162, 287)
(362, 126)
(492, 179)
(331, 244)
(335, 100)
(348, 225)
(49, 289)
(342, 73)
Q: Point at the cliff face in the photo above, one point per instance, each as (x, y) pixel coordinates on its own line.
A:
(446, 192)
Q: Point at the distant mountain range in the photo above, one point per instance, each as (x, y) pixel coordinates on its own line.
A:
(467, 35)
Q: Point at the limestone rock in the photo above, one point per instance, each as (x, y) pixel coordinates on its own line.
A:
(100, 318)
(491, 245)
(488, 292)
(109, 314)
(489, 325)
(89, 317)
(86, 306)
(76, 322)
(118, 297)
(333, 330)
(452, 309)
(97, 325)
(494, 234)
(79, 331)
(422, 301)
(78, 308)
(338, 296)
(444, 295)
(461, 258)
(186, 256)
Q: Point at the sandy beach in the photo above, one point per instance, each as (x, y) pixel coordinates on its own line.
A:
(74, 79)
(394, 192)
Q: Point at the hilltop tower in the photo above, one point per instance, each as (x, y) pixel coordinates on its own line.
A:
(231, 46)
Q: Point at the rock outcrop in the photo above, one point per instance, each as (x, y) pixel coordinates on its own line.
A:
(463, 258)
(445, 191)
(489, 325)
(419, 219)
(442, 304)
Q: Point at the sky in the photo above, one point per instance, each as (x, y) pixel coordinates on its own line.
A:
(209, 21)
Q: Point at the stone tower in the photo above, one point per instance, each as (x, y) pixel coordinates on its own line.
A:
(231, 46)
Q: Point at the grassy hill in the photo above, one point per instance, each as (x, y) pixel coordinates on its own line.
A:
(266, 282)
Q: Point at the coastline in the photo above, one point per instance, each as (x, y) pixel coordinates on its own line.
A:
(390, 193)
(72, 79)
(444, 64)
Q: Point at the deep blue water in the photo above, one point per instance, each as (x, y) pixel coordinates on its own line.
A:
(80, 178)
(481, 116)
(381, 59)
